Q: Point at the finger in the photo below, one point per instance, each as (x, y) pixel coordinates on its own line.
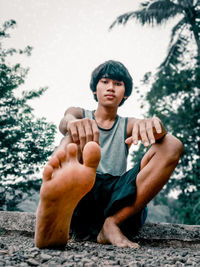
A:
(143, 133)
(82, 136)
(149, 128)
(129, 140)
(135, 133)
(157, 125)
(95, 132)
(88, 132)
(74, 133)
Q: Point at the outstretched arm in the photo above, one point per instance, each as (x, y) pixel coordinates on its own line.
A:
(147, 130)
(82, 130)
(71, 114)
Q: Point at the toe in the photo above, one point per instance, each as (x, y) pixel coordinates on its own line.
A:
(91, 154)
(54, 162)
(62, 157)
(134, 245)
(47, 173)
(72, 151)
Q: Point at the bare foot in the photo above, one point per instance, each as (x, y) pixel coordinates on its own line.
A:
(111, 234)
(65, 182)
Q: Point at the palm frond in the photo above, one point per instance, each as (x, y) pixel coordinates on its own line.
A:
(145, 4)
(175, 51)
(162, 10)
(152, 13)
(177, 29)
(122, 19)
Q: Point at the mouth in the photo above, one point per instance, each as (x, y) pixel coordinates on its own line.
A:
(109, 96)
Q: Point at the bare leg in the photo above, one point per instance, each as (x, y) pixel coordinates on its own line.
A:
(65, 182)
(157, 166)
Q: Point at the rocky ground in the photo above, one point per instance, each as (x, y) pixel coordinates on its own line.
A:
(161, 245)
(19, 251)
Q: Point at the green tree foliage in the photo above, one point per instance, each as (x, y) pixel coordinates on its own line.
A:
(174, 96)
(25, 141)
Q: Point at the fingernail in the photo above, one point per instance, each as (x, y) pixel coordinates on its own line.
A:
(135, 142)
(146, 143)
(152, 141)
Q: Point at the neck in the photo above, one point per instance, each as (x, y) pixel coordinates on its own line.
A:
(105, 113)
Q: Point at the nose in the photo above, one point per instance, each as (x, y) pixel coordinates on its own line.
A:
(110, 86)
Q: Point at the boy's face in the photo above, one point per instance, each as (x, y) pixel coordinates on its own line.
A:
(110, 92)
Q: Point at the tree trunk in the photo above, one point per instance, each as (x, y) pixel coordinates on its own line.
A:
(192, 17)
(195, 30)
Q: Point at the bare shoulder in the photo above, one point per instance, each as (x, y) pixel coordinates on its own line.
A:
(77, 112)
(130, 125)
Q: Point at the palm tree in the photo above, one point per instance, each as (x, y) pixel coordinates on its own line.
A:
(154, 12)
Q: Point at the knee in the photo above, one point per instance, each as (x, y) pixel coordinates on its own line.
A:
(173, 148)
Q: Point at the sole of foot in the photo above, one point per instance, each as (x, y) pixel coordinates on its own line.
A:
(65, 182)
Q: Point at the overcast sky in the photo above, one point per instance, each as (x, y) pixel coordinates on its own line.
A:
(70, 38)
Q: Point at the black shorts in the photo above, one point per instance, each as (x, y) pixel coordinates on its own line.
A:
(108, 195)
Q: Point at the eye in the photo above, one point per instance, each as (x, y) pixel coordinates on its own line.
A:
(118, 83)
(104, 81)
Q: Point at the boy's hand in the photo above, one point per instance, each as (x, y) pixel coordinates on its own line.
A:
(82, 131)
(146, 130)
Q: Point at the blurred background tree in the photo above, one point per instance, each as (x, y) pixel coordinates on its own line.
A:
(25, 141)
(173, 95)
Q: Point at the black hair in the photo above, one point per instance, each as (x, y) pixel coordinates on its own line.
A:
(114, 70)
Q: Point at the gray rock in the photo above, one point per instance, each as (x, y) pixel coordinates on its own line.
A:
(33, 262)
(3, 252)
(55, 253)
(45, 257)
(23, 264)
(68, 264)
(132, 264)
(90, 264)
(34, 249)
(179, 264)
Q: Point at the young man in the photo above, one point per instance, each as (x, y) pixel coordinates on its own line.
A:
(116, 200)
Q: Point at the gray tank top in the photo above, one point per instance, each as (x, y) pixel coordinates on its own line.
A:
(114, 150)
